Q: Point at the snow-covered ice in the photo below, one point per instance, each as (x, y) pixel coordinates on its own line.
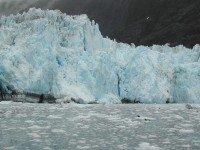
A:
(66, 56)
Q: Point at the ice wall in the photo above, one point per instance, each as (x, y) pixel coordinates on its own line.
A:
(52, 53)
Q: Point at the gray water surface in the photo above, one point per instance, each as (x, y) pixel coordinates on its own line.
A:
(99, 127)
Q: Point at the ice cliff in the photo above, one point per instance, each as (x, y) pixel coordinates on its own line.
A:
(48, 52)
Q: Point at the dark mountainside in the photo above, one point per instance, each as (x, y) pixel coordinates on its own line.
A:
(142, 22)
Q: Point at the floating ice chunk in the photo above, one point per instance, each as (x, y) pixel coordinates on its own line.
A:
(6, 102)
(186, 131)
(147, 146)
(57, 131)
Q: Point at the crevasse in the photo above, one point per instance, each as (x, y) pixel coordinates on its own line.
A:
(48, 52)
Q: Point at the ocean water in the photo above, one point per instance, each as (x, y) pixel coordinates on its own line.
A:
(110, 127)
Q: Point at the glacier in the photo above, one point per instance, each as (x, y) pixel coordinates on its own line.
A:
(49, 52)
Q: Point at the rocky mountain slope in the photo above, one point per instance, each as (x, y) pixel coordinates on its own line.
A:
(143, 22)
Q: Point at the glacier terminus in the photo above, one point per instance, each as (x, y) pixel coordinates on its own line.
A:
(66, 58)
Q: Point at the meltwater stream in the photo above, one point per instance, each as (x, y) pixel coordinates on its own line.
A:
(111, 127)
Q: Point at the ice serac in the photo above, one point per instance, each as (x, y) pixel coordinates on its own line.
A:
(48, 52)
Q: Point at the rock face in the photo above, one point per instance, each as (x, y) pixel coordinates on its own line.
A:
(142, 22)
(66, 58)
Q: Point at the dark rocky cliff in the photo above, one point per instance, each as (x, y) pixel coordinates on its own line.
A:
(143, 22)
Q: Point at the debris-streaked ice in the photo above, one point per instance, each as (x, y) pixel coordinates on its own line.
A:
(52, 53)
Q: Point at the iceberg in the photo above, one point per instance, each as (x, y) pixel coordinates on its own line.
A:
(51, 53)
